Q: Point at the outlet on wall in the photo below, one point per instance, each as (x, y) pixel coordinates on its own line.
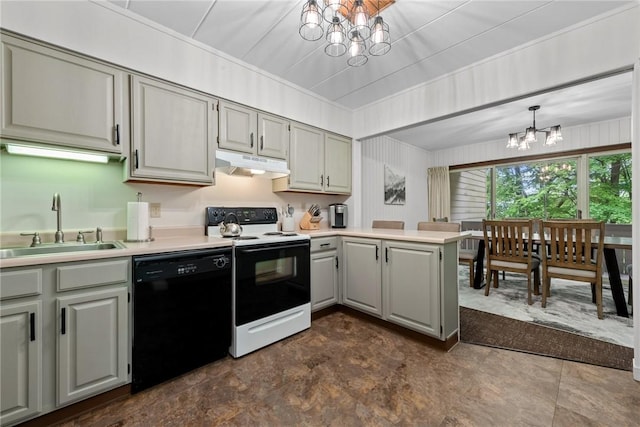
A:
(154, 210)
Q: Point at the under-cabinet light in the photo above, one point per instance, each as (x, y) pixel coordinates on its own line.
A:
(53, 153)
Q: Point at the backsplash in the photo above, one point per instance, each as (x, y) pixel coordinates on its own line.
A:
(94, 195)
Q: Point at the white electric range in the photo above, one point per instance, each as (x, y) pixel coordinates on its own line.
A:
(271, 296)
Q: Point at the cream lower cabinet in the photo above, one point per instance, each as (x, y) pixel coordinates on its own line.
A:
(324, 272)
(173, 133)
(410, 283)
(20, 360)
(414, 285)
(65, 334)
(53, 97)
(92, 343)
(362, 280)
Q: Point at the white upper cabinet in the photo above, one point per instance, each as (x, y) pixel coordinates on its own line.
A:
(306, 158)
(248, 131)
(273, 140)
(173, 133)
(337, 164)
(58, 98)
(238, 128)
(319, 161)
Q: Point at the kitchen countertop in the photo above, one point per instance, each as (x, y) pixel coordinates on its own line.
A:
(165, 244)
(191, 242)
(436, 237)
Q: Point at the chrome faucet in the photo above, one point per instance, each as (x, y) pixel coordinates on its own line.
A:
(57, 206)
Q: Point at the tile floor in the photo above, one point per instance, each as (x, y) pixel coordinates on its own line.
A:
(345, 371)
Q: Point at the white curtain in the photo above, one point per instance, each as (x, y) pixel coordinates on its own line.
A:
(439, 193)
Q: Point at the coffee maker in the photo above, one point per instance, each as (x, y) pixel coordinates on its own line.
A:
(338, 215)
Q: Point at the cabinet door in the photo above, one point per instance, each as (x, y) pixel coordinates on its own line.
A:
(324, 279)
(173, 133)
(306, 158)
(274, 136)
(57, 98)
(411, 286)
(362, 280)
(92, 343)
(20, 361)
(237, 128)
(337, 164)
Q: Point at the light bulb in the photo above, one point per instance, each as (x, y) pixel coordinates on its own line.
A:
(378, 31)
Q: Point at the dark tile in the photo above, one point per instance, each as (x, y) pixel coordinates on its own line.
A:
(348, 371)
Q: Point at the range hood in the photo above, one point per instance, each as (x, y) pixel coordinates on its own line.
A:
(233, 163)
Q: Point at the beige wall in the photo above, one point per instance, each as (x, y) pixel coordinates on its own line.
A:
(405, 159)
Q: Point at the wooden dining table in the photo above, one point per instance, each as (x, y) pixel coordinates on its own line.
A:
(611, 243)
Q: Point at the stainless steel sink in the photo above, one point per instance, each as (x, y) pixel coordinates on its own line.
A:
(48, 249)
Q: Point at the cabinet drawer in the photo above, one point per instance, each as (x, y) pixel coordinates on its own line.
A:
(20, 283)
(324, 243)
(92, 274)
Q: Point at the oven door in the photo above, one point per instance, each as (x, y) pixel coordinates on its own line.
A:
(270, 278)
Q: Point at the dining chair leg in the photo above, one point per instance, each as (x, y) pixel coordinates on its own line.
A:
(536, 281)
(545, 289)
(496, 277)
(598, 287)
(529, 300)
(488, 285)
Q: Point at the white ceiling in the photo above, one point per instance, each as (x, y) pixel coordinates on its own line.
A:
(429, 39)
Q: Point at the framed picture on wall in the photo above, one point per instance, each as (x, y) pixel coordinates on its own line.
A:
(394, 187)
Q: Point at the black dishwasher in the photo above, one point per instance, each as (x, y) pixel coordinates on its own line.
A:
(181, 313)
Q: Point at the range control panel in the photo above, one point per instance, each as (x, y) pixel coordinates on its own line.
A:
(216, 215)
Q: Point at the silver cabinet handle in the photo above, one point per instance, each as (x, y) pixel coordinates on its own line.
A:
(251, 139)
(261, 142)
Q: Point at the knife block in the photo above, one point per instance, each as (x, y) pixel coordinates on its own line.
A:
(306, 224)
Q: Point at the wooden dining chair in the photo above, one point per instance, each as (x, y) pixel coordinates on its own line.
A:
(506, 246)
(396, 225)
(465, 256)
(573, 250)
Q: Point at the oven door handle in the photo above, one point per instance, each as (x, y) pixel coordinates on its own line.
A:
(269, 248)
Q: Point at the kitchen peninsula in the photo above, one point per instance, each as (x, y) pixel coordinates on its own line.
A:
(406, 277)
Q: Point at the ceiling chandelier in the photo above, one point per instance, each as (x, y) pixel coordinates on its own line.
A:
(350, 27)
(552, 134)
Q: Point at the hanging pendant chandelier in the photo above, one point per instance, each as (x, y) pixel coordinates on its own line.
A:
(553, 134)
(353, 27)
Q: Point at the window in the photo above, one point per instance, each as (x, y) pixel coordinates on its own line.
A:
(537, 190)
(594, 186)
(610, 188)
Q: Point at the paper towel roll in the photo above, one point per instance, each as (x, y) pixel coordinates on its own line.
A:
(137, 221)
